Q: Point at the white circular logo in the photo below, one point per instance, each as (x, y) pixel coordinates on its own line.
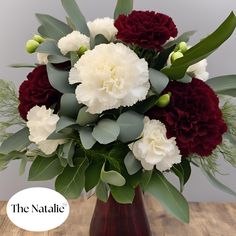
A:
(38, 209)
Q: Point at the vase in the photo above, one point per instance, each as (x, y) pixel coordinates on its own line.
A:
(114, 219)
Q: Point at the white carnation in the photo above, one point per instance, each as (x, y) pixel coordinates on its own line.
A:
(154, 148)
(42, 58)
(110, 76)
(104, 26)
(73, 42)
(41, 123)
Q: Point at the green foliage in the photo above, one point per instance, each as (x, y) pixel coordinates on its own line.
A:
(71, 181)
(86, 137)
(8, 109)
(52, 27)
(158, 80)
(131, 126)
(124, 194)
(132, 164)
(106, 131)
(49, 46)
(75, 15)
(143, 106)
(85, 118)
(168, 196)
(99, 39)
(225, 85)
(102, 191)
(123, 7)
(201, 50)
(45, 168)
(183, 172)
(63, 123)
(112, 177)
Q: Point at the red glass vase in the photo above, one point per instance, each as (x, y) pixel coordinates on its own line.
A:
(114, 219)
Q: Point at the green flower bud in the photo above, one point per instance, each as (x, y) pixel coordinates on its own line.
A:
(183, 47)
(82, 50)
(176, 55)
(164, 100)
(31, 46)
(38, 38)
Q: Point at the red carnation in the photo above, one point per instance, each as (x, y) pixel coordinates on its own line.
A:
(37, 91)
(193, 117)
(146, 29)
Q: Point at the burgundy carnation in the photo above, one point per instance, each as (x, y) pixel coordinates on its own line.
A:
(37, 91)
(146, 29)
(193, 117)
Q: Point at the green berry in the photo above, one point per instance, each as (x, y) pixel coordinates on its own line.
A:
(31, 46)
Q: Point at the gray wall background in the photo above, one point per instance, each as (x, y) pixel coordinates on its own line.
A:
(18, 24)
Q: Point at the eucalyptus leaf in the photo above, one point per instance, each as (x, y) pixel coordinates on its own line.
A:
(217, 183)
(102, 191)
(123, 195)
(69, 101)
(123, 7)
(21, 65)
(186, 79)
(158, 80)
(131, 126)
(168, 196)
(16, 142)
(45, 168)
(72, 180)
(64, 122)
(86, 137)
(69, 152)
(185, 37)
(23, 164)
(55, 59)
(223, 84)
(201, 50)
(106, 131)
(132, 164)
(75, 15)
(49, 46)
(112, 177)
(92, 175)
(59, 79)
(99, 39)
(53, 28)
(85, 118)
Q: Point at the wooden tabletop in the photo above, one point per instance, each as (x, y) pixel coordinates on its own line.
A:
(207, 219)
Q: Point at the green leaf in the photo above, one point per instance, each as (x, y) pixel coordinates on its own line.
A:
(76, 16)
(59, 79)
(186, 79)
(102, 191)
(201, 50)
(68, 152)
(45, 168)
(131, 126)
(223, 84)
(183, 172)
(64, 122)
(86, 137)
(72, 180)
(135, 180)
(85, 118)
(168, 196)
(112, 177)
(23, 164)
(92, 175)
(55, 59)
(52, 27)
(144, 106)
(217, 183)
(123, 7)
(49, 46)
(69, 101)
(99, 39)
(132, 164)
(123, 195)
(16, 142)
(185, 37)
(158, 80)
(106, 131)
(146, 177)
(21, 65)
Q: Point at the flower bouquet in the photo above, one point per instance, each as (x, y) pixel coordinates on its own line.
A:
(114, 104)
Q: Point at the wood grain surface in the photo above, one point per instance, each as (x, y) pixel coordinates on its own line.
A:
(207, 219)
